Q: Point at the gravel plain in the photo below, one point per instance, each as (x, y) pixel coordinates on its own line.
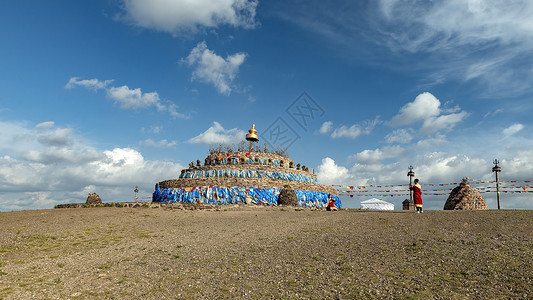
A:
(265, 252)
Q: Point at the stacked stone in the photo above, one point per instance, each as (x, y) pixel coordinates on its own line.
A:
(247, 177)
(465, 197)
(93, 199)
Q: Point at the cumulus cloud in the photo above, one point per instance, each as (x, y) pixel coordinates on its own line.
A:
(328, 172)
(424, 106)
(59, 137)
(40, 175)
(427, 108)
(212, 68)
(430, 167)
(216, 134)
(515, 128)
(92, 84)
(443, 122)
(128, 98)
(175, 16)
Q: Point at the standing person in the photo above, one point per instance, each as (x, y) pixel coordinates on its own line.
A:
(417, 195)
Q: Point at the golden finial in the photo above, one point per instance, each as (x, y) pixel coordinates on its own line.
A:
(252, 136)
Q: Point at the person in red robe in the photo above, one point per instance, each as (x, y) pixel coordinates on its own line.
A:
(331, 204)
(417, 195)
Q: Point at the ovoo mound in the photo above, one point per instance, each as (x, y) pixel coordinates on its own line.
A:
(239, 175)
(465, 197)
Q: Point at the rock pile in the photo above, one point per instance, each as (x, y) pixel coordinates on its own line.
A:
(287, 196)
(93, 199)
(465, 197)
(234, 174)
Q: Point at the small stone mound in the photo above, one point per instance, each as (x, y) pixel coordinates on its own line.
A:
(288, 197)
(465, 197)
(93, 199)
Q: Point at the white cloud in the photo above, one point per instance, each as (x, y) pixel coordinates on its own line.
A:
(431, 142)
(132, 98)
(443, 122)
(512, 129)
(326, 127)
(129, 98)
(401, 136)
(92, 84)
(175, 16)
(173, 111)
(355, 130)
(424, 106)
(328, 172)
(212, 68)
(457, 31)
(349, 132)
(156, 129)
(40, 175)
(59, 137)
(378, 155)
(44, 125)
(161, 144)
(484, 41)
(216, 134)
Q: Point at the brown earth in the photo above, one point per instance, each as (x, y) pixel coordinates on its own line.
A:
(245, 252)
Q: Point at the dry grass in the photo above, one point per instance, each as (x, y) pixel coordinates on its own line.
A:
(265, 253)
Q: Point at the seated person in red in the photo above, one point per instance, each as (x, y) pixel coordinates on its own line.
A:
(331, 204)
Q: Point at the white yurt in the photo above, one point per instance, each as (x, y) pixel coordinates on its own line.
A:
(378, 204)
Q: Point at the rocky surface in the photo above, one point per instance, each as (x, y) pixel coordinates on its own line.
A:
(287, 196)
(262, 183)
(265, 252)
(93, 199)
(465, 197)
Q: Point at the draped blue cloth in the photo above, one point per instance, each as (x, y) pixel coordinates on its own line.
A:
(228, 195)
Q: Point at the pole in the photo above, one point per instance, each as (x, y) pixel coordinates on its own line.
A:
(411, 174)
(498, 190)
(410, 192)
(496, 169)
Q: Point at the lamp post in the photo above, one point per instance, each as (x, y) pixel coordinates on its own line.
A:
(136, 191)
(496, 169)
(411, 174)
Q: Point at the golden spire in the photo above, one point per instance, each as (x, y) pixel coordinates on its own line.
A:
(252, 136)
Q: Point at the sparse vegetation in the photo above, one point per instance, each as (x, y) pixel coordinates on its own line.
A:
(205, 254)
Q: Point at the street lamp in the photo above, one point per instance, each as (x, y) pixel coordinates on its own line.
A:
(496, 169)
(136, 191)
(411, 174)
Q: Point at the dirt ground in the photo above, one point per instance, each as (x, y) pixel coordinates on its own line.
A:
(154, 253)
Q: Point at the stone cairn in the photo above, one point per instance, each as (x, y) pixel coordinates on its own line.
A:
(287, 196)
(93, 199)
(240, 174)
(465, 197)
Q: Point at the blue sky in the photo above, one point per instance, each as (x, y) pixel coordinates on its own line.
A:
(103, 96)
